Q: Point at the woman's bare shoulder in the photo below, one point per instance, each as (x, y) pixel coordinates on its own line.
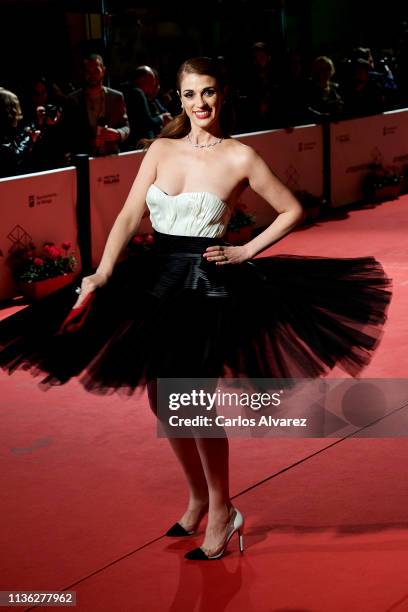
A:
(240, 148)
(242, 153)
(162, 146)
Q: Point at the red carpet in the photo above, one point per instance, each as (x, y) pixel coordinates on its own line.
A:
(88, 488)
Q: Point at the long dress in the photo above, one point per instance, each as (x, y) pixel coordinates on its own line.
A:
(168, 312)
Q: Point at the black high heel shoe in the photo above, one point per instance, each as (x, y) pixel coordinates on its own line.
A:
(235, 525)
(178, 531)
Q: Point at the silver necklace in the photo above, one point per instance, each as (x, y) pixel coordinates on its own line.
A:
(203, 146)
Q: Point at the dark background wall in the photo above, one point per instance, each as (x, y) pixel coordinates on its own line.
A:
(50, 35)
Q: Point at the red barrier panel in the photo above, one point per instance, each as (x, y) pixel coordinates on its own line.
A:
(357, 144)
(36, 207)
(110, 181)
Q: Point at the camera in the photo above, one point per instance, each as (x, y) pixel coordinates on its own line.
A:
(51, 111)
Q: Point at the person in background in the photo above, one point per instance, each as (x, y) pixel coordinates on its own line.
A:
(293, 91)
(401, 63)
(38, 93)
(362, 94)
(261, 90)
(323, 98)
(44, 108)
(147, 115)
(380, 73)
(99, 123)
(17, 142)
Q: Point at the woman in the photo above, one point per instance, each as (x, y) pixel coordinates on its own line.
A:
(16, 143)
(198, 307)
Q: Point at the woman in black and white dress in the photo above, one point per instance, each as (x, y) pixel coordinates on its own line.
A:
(195, 306)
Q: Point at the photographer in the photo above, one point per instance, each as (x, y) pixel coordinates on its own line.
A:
(44, 110)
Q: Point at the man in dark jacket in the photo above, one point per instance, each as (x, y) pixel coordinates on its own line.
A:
(147, 115)
(97, 114)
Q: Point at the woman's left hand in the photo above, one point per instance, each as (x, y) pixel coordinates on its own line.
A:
(222, 255)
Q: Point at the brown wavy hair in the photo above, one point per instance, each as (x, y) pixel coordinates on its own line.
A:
(180, 126)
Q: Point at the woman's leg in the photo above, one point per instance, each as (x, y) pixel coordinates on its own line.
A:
(214, 453)
(205, 462)
(189, 458)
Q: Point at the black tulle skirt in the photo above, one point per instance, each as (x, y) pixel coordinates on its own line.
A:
(167, 312)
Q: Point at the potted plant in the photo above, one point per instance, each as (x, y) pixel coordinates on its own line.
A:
(239, 229)
(140, 242)
(404, 181)
(39, 272)
(382, 183)
(312, 204)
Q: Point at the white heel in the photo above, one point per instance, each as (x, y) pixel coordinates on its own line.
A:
(236, 525)
(241, 541)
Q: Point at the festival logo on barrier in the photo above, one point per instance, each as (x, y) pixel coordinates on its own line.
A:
(48, 198)
(376, 156)
(400, 158)
(109, 179)
(343, 138)
(377, 159)
(19, 238)
(306, 146)
(292, 178)
(389, 129)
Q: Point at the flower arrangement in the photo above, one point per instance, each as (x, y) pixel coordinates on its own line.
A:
(404, 182)
(383, 176)
(312, 204)
(240, 218)
(30, 264)
(140, 242)
(382, 182)
(307, 199)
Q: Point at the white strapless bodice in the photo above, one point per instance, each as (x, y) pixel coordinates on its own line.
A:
(194, 213)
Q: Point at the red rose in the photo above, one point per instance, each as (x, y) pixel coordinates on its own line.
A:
(137, 239)
(53, 252)
(38, 261)
(66, 245)
(149, 239)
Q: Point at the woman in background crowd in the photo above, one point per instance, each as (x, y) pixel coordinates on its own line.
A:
(17, 141)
